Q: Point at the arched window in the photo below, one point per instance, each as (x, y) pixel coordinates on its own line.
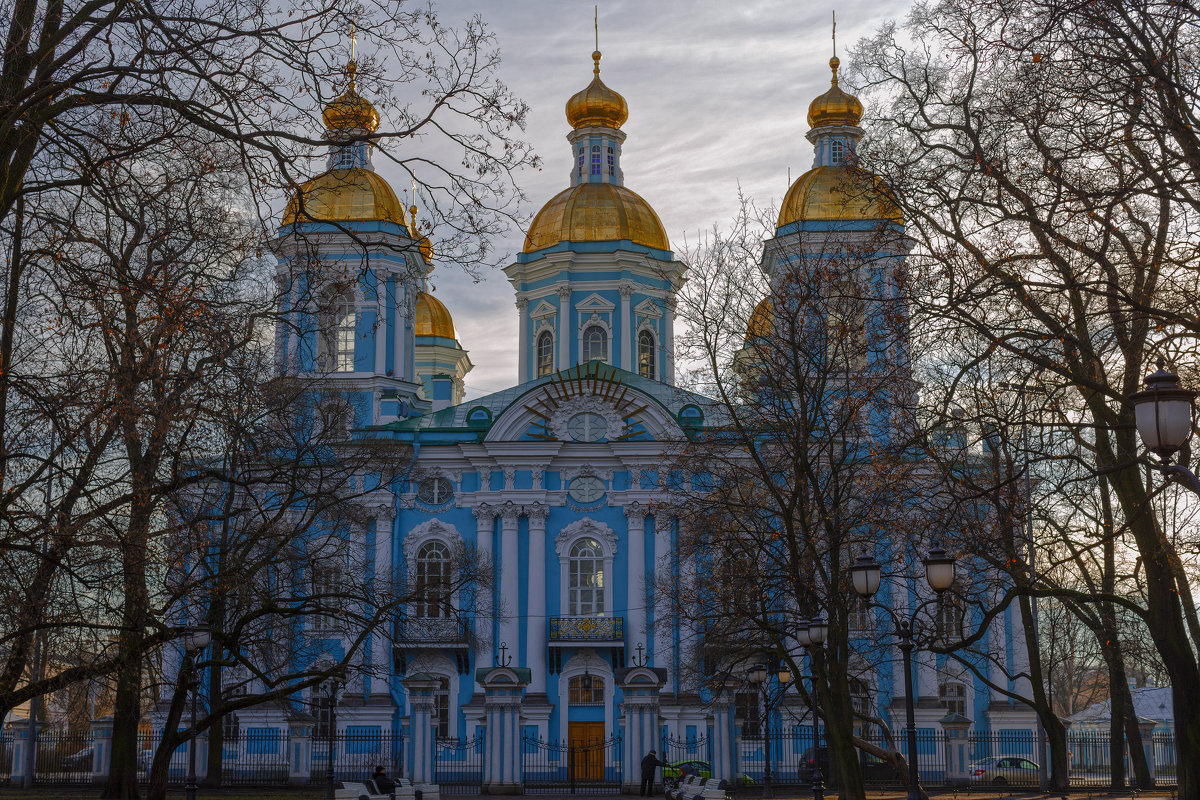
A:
(345, 321)
(837, 152)
(646, 354)
(595, 344)
(953, 695)
(585, 588)
(433, 581)
(595, 159)
(545, 353)
(585, 690)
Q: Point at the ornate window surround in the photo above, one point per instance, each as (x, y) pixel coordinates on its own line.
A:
(588, 661)
(586, 528)
(435, 530)
(441, 667)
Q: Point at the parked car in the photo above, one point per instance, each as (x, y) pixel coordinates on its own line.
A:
(678, 770)
(1003, 770)
(79, 761)
(873, 769)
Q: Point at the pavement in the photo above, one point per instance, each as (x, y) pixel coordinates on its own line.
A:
(315, 793)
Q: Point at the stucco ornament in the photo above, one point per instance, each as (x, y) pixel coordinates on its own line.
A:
(560, 420)
(428, 531)
(590, 528)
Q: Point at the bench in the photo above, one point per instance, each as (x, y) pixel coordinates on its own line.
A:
(357, 791)
(684, 789)
(407, 790)
(705, 790)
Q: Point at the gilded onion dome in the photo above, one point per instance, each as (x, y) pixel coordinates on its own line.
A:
(351, 111)
(432, 317)
(835, 107)
(759, 325)
(838, 193)
(596, 212)
(597, 104)
(345, 195)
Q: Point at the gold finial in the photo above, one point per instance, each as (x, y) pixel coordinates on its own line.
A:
(412, 210)
(834, 33)
(352, 64)
(834, 62)
(596, 52)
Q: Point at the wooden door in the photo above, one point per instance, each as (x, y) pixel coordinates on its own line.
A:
(586, 740)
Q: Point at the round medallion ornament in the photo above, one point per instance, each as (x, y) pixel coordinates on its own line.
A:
(434, 491)
(587, 427)
(586, 489)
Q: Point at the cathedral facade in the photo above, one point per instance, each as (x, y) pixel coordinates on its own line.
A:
(553, 482)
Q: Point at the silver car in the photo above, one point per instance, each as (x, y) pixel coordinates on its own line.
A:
(1003, 770)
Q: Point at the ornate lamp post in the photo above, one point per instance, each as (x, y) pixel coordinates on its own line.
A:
(811, 633)
(194, 640)
(1163, 412)
(939, 574)
(331, 689)
(759, 675)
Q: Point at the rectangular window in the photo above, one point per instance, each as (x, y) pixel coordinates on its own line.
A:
(596, 160)
(326, 588)
(612, 162)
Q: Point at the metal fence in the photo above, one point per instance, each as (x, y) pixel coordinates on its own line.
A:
(254, 757)
(996, 759)
(458, 765)
(572, 767)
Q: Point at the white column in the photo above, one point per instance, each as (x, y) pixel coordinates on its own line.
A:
(635, 608)
(510, 630)
(1020, 652)
(669, 341)
(380, 330)
(536, 643)
(485, 517)
(523, 344)
(564, 324)
(380, 657)
(398, 332)
(997, 648)
(627, 332)
(664, 561)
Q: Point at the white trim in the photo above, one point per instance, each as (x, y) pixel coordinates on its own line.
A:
(441, 667)
(588, 661)
(586, 528)
(595, 302)
(433, 530)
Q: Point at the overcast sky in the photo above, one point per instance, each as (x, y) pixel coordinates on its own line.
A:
(718, 92)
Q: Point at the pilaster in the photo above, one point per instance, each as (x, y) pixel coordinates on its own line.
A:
(510, 630)
(485, 519)
(535, 628)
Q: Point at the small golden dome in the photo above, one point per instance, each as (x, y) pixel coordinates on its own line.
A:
(345, 195)
(760, 325)
(597, 104)
(835, 107)
(351, 111)
(596, 212)
(432, 317)
(839, 193)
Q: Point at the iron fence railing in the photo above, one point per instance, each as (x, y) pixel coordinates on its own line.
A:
(587, 629)
(572, 766)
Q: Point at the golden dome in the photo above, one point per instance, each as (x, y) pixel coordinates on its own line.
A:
(345, 195)
(351, 111)
(760, 325)
(835, 107)
(596, 212)
(597, 104)
(432, 317)
(839, 193)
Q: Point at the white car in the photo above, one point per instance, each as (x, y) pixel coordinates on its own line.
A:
(1003, 770)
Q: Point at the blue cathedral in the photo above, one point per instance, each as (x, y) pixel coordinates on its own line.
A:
(552, 481)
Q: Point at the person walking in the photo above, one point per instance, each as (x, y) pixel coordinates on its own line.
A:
(649, 764)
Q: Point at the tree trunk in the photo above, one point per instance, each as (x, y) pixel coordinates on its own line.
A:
(216, 731)
(1056, 732)
(160, 768)
(1116, 721)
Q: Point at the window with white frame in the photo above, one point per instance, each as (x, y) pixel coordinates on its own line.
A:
(646, 348)
(595, 159)
(953, 695)
(441, 708)
(837, 152)
(341, 339)
(585, 588)
(951, 617)
(860, 696)
(433, 581)
(325, 583)
(595, 344)
(612, 162)
(581, 151)
(545, 354)
(585, 690)
(861, 615)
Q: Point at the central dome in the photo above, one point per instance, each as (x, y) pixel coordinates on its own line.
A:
(838, 193)
(596, 212)
(345, 195)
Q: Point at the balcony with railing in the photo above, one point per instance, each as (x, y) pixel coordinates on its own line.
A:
(568, 631)
(433, 632)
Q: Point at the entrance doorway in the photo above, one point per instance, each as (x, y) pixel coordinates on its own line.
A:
(586, 741)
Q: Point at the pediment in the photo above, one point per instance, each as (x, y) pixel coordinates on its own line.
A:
(648, 308)
(594, 302)
(544, 309)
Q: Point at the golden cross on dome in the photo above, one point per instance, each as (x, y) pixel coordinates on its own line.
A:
(596, 21)
(353, 44)
(835, 34)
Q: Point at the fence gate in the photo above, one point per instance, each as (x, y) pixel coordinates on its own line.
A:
(572, 767)
(458, 765)
(694, 753)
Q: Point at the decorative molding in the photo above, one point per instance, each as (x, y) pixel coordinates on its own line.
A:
(433, 530)
(587, 660)
(537, 513)
(636, 509)
(626, 289)
(564, 292)
(522, 303)
(590, 528)
(544, 309)
(510, 478)
(586, 403)
(538, 477)
(484, 512)
(510, 512)
(572, 473)
(595, 303)
(648, 308)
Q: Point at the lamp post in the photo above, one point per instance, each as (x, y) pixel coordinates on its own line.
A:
(760, 677)
(194, 640)
(811, 633)
(1163, 412)
(331, 690)
(939, 574)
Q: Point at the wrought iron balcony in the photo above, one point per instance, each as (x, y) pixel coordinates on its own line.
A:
(587, 629)
(444, 632)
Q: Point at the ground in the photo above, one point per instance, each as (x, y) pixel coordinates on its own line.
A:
(311, 793)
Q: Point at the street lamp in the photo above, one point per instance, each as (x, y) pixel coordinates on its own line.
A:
(939, 574)
(331, 690)
(193, 640)
(811, 633)
(1163, 412)
(759, 675)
